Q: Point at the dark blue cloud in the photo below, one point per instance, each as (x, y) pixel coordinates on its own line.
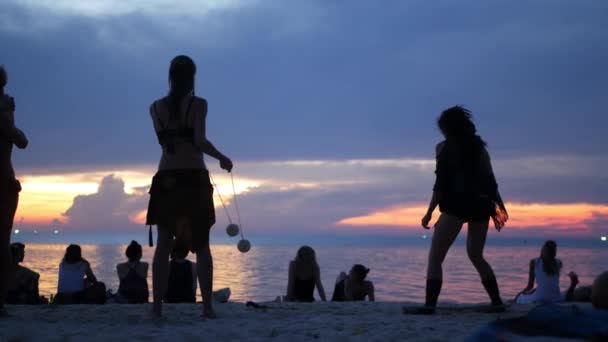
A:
(315, 80)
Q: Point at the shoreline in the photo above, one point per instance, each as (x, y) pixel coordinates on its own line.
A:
(352, 321)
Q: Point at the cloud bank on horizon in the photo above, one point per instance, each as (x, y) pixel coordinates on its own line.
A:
(327, 108)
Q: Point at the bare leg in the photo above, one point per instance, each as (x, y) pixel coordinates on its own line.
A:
(160, 269)
(476, 240)
(446, 231)
(8, 206)
(204, 265)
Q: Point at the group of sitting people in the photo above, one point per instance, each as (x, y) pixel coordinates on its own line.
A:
(77, 283)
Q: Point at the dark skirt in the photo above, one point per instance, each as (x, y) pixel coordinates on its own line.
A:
(182, 201)
(468, 208)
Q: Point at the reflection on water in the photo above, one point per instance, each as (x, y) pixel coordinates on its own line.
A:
(398, 272)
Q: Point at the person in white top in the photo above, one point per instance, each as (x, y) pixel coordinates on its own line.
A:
(72, 272)
(9, 186)
(544, 271)
(181, 196)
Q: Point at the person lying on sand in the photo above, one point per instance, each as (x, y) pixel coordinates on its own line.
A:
(304, 276)
(353, 286)
(577, 293)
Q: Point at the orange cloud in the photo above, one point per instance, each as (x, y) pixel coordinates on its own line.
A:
(522, 215)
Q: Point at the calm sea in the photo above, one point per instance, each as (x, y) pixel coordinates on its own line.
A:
(397, 271)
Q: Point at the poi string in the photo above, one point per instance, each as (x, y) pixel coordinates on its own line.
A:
(236, 206)
(221, 200)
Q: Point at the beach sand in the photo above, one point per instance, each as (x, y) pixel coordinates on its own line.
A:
(236, 322)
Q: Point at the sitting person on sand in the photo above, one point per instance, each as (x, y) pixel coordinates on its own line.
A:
(545, 272)
(133, 276)
(304, 276)
(353, 286)
(72, 283)
(23, 287)
(599, 292)
(182, 276)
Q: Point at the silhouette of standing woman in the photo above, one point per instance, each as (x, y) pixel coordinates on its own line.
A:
(9, 186)
(466, 192)
(181, 196)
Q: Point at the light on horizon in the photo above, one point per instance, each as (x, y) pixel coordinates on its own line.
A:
(17, 231)
(604, 238)
(55, 231)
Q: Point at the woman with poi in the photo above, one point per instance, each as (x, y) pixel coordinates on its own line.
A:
(181, 196)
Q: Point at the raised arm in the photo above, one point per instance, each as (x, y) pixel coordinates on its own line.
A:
(203, 144)
(319, 284)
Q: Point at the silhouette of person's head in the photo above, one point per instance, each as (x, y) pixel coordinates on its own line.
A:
(179, 250)
(456, 123)
(134, 251)
(17, 252)
(359, 272)
(181, 76)
(3, 76)
(73, 254)
(549, 250)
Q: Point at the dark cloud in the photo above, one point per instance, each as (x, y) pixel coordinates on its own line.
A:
(311, 80)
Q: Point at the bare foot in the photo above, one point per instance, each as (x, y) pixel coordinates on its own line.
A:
(208, 313)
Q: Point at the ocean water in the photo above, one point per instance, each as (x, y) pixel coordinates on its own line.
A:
(398, 272)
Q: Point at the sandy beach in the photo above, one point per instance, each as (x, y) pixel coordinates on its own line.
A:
(279, 322)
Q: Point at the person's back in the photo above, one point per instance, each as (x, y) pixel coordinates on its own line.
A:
(180, 125)
(304, 287)
(180, 287)
(23, 289)
(547, 285)
(133, 285)
(71, 277)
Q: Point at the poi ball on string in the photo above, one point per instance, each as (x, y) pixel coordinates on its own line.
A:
(244, 246)
(232, 229)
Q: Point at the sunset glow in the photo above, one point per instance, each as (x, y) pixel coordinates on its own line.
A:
(44, 198)
(563, 216)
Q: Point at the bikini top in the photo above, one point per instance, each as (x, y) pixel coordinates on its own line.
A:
(167, 136)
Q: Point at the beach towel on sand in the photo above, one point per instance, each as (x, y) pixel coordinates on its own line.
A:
(566, 321)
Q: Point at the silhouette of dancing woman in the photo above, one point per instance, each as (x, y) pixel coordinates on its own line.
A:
(9, 186)
(181, 196)
(466, 192)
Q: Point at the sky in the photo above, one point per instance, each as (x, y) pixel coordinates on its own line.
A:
(327, 108)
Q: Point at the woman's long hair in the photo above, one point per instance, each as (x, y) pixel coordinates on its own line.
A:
(306, 260)
(181, 82)
(456, 124)
(73, 254)
(548, 255)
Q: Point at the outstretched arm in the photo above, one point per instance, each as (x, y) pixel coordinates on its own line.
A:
(371, 292)
(204, 144)
(438, 187)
